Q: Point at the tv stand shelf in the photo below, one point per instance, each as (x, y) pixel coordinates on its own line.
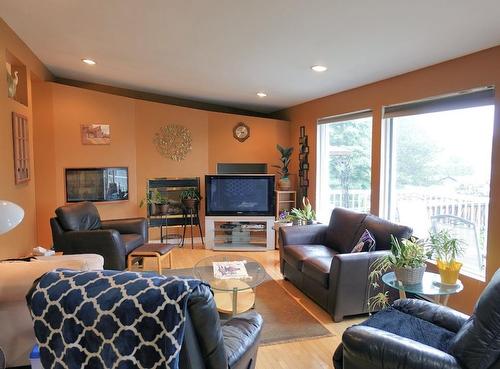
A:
(239, 233)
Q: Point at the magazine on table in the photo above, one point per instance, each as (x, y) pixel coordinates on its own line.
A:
(230, 269)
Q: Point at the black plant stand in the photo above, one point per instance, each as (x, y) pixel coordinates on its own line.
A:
(191, 217)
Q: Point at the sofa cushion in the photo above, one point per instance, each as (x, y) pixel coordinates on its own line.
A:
(318, 269)
(344, 225)
(82, 216)
(382, 229)
(296, 254)
(131, 242)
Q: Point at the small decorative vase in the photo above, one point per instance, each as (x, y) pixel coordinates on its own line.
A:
(284, 184)
(449, 271)
(155, 209)
(410, 275)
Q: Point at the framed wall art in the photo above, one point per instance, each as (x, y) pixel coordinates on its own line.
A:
(96, 134)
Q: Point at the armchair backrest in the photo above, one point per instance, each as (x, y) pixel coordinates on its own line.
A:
(82, 216)
(477, 343)
(203, 345)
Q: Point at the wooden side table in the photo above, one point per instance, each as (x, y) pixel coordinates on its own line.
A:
(159, 251)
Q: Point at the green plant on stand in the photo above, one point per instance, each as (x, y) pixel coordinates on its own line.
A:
(191, 198)
(306, 215)
(284, 181)
(446, 249)
(408, 258)
(156, 201)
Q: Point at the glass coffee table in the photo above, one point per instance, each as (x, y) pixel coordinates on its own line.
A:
(233, 295)
(430, 286)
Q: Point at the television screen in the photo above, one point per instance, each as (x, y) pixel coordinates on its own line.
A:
(96, 184)
(239, 195)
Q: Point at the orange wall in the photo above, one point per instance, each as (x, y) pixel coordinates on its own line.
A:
(475, 70)
(22, 239)
(133, 124)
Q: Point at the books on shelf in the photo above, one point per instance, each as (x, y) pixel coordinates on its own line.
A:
(230, 269)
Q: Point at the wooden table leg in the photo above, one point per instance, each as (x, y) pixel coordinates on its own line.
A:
(158, 261)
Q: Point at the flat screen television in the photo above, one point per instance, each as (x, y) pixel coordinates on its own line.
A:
(96, 184)
(239, 195)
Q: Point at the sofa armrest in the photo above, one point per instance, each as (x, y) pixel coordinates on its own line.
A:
(131, 225)
(105, 242)
(303, 235)
(367, 347)
(241, 336)
(442, 316)
(349, 282)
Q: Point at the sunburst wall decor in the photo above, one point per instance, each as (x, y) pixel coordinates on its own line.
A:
(173, 141)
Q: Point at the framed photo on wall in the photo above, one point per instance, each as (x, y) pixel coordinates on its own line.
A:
(96, 134)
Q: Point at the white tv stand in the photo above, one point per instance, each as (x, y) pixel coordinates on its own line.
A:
(239, 233)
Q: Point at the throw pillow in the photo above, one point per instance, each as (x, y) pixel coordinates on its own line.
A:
(365, 243)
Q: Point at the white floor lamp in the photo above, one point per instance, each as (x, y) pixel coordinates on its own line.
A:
(10, 216)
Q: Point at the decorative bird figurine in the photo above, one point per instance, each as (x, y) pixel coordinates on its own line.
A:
(12, 83)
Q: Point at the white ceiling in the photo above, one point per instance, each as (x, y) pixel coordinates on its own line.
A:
(224, 51)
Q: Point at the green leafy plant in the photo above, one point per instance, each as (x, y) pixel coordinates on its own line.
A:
(445, 247)
(405, 253)
(286, 153)
(191, 193)
(153, 197)
(306, 213)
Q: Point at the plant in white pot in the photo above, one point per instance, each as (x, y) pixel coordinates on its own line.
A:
(446, 249)
(284, 181)
(408, 258)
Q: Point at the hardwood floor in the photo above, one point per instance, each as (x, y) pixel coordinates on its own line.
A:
(313, 353)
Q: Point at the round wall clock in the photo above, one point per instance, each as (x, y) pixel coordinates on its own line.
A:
(241, 132)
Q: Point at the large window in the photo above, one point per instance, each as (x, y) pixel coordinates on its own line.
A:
(344, 164)
(438, 169)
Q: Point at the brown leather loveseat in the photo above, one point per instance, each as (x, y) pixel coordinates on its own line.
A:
(318, 260)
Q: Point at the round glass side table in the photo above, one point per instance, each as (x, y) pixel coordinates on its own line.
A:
(430, 286)
(232, 295)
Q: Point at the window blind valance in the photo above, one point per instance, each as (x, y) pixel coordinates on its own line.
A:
(461, 100)
(345, 117)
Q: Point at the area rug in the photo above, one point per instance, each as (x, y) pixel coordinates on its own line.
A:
(285, 320)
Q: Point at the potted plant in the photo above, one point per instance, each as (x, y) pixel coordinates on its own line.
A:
(306, 215)
(156, 200)
(408, 259)
(191, 198)
(284, 181)
(285, 219)
(446, 249)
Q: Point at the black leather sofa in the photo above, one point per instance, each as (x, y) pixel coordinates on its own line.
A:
(318, 259)
(475, 342)
(208, 344)
(78, 229)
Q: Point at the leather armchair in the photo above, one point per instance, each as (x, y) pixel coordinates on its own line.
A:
(318, 260)
(208, 344)
(78, 229)
(475, 342)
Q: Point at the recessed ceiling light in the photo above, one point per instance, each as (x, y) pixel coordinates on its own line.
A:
(319, 68)
(261, 94)
(89, 61)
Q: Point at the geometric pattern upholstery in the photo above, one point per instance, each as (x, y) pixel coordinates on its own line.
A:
(109, 319)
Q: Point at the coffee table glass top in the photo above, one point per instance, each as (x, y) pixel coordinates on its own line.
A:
(431, 285)
(204, 270)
